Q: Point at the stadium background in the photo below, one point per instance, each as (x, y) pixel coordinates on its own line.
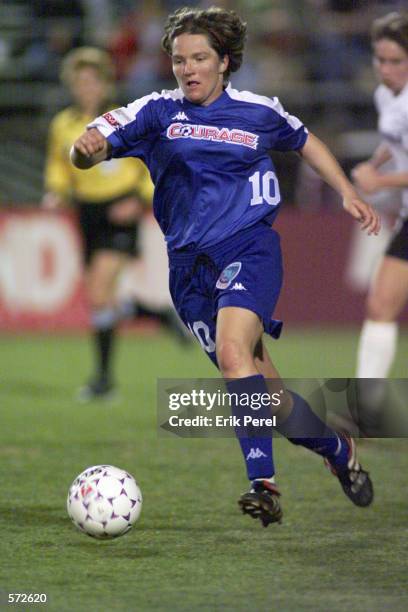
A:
(314, 55)
(320, 69)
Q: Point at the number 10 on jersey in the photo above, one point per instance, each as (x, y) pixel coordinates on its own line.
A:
(262, 187)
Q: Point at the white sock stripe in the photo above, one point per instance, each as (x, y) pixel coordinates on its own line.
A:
(338, 449)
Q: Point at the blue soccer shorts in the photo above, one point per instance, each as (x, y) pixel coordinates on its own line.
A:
(244, 270)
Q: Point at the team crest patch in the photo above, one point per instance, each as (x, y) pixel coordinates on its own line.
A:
(228, 275)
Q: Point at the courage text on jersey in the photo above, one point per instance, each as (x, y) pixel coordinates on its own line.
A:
(207, 132)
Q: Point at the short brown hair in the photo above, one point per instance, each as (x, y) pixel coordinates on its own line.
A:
(87, 57)
(225, 30)
(393, 26)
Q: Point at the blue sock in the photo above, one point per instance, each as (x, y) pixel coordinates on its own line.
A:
(256, 443)
(305, 428)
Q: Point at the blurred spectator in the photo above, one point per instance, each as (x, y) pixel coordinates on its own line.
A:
(42, 58)
(57, 8)
(339, 38)
(4, 52)
(98, 21)
(150, 68)
(124, 44)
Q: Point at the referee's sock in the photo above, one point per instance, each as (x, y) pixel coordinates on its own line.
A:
(303, 427)
(103, 322)
(255, 442)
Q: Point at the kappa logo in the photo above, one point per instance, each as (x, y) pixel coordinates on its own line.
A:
(256, 453)
(238, 287)
(180, 117)
(228, 275)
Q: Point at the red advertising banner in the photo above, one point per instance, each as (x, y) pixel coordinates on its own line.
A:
(40, 271)
(328, 263)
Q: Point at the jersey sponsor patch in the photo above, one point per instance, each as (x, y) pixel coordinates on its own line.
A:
(212, 133)
(228, 275)
(111, 119)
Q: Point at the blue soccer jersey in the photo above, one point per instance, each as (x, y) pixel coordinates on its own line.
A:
(210, 165)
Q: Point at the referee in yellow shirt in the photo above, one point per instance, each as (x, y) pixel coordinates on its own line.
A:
(109, 199)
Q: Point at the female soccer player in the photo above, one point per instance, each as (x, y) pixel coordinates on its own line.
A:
(109, 201)
(216, 197)
(389, 291)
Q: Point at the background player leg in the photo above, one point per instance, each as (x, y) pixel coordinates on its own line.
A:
(387, 298)
(101, 281)
(378, 341)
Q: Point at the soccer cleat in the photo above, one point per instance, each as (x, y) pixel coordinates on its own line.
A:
(95, 390)
(356, 482)
(262, 502)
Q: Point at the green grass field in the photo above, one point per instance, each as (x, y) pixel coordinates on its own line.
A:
(191, 549)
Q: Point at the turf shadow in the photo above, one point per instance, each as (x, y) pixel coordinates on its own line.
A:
(33, 515)
(94, 546)
(33, 389)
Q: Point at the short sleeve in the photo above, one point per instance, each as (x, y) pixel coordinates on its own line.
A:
(289, 133)
(128, 127)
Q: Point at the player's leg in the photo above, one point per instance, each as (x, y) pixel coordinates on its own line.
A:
(297, 421)
(239, 330)
(255, 268)
(101, 279)
(238, 334)
(192, 288)
(387, 298)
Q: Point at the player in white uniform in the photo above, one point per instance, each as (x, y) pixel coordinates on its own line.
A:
(389, 291)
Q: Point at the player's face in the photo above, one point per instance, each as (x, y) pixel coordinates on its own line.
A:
(391, 64)
(198, 69)
(89, 90)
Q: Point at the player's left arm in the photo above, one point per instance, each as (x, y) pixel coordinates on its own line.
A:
(320, 158)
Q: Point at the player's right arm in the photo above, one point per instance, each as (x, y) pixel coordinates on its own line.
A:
(121, 132)
(363, 172)
(90, 149)
(381, 155)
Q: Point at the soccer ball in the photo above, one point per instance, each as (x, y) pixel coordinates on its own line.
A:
(104, 501)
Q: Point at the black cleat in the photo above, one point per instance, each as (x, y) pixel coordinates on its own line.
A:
(355, 482)
(262, 502)
(96, 390)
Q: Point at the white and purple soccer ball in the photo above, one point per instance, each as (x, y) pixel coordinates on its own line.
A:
(104, 501)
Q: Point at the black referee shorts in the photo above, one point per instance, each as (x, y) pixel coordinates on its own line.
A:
(99, 233)
(398, 246)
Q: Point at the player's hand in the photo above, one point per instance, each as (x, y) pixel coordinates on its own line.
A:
(366, 178)
(125, 211)
(52, 201)
(90, 142)
(89, 149)
(362, 212)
